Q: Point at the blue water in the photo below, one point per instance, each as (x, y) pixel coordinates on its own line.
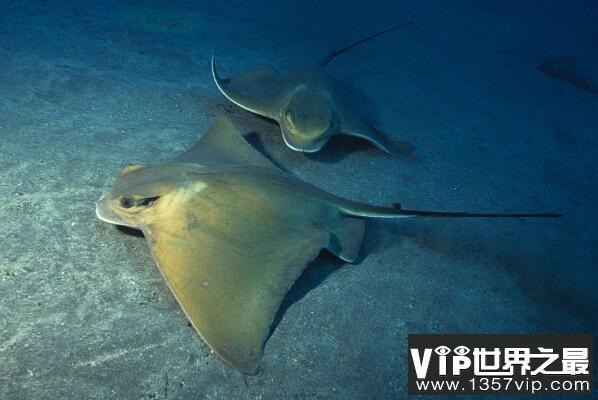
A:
(499, 97)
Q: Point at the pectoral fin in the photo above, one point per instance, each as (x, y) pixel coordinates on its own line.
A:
(261, 90)
(221, 144)
(230, 275)
(353, 126)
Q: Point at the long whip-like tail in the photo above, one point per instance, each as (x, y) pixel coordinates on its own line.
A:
(444, 214)
(325, 61)
(362, 210)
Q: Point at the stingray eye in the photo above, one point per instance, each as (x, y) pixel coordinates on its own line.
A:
(126, 202)
(148, 201)
(288, 116)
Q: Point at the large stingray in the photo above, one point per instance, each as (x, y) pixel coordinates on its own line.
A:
(305, 102)
(230, 233)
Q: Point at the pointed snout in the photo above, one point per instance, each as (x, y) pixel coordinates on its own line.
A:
(105, 213)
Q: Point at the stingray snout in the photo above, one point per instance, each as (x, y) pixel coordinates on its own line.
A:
(105, 213)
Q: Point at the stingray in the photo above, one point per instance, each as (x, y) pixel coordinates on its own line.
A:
(230, 233)
(306, 103)
(560, 69)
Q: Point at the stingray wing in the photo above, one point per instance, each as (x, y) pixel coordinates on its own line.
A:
(221, 144)
(230, 266)
(353, 125)
(261, 90)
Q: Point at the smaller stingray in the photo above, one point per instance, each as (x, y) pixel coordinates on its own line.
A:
(230, 233)
(305, 102)
(561, 70)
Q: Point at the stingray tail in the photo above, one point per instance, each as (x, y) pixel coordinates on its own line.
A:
(324, 62)
(396, 211)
